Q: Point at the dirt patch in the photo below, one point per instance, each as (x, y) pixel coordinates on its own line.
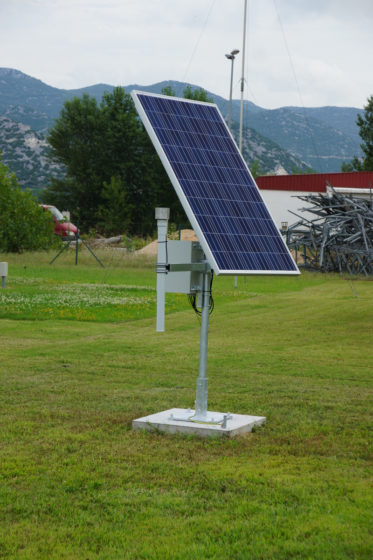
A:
(152, 248)
(188, 235)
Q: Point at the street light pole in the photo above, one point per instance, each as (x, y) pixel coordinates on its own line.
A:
(231, 57)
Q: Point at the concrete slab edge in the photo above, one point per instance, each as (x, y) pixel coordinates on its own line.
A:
(237, 425)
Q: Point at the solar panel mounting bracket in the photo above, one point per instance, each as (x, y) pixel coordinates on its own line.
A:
(181, 266)
(193, 267)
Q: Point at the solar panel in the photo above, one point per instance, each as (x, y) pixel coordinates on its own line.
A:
(214, 185)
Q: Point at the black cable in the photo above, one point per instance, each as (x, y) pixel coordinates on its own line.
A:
(193, 299)
(165, 241)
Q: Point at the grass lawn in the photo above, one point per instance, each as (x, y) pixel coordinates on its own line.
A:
(80, 359)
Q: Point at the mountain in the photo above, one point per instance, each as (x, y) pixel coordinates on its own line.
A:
(278, 139)
(320, 137)
(32, 102)
(323, 138)
(269, 156)
(26, 154)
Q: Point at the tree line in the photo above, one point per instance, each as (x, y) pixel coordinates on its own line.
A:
(365, 124)
(24, 226)
(113, 177)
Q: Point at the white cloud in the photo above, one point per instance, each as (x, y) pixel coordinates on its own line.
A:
(72, 43)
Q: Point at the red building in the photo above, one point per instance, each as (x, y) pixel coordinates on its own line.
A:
(280, 191)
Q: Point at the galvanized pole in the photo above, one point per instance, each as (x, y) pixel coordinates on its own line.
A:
(242, 89)
(243, 74)
(230, 95)
(162, 216)
(202, 381)
(231, 56)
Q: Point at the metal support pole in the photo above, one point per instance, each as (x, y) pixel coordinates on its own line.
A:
(242, 89)
(64, 248)
(202, 381)
(92, 253)
(243, 75)
(230, 96)
(67, 245)
(77, 243)
(231, 56)
(162, 216)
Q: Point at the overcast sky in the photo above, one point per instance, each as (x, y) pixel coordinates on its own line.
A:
(299, 52)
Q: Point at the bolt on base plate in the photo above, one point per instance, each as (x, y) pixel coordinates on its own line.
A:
(206, 418)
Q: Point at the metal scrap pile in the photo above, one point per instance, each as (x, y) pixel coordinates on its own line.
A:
(340, 236)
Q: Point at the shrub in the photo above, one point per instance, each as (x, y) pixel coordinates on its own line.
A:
(24, 226)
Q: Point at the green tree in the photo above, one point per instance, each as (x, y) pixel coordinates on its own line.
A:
(115, 212)
(168, 90)
(365, 123)
(302, 171)
(198, 94)
(97, 144)
(347, 167)
(24, 226)
(76, 142)
(256, 169)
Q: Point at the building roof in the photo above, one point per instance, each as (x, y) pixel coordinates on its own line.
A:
(315, 182)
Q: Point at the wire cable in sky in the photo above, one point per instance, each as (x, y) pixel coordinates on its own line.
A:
(297, 86)
(198, 42)
(249, 52)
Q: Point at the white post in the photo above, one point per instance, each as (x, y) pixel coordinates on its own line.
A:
(3, 273)
(162, 216)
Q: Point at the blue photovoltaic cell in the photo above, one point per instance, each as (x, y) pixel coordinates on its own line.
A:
(214, 185)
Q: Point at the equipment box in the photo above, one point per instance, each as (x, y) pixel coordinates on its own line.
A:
(184, 252)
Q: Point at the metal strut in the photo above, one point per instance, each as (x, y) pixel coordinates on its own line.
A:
(201, 412)
(202, 381)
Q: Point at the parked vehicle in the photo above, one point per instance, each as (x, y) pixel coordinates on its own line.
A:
(64, 229)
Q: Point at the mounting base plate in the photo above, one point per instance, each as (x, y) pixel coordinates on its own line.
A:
(180, 420)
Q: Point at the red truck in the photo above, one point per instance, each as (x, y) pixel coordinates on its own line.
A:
(64, 229)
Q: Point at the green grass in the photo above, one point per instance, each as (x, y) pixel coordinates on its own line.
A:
(76, 482)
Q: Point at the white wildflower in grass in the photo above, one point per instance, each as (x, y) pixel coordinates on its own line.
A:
(119, 287)
(75, 300)
(75, 296)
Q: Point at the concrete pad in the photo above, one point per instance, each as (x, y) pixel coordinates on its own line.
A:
(166, 421)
